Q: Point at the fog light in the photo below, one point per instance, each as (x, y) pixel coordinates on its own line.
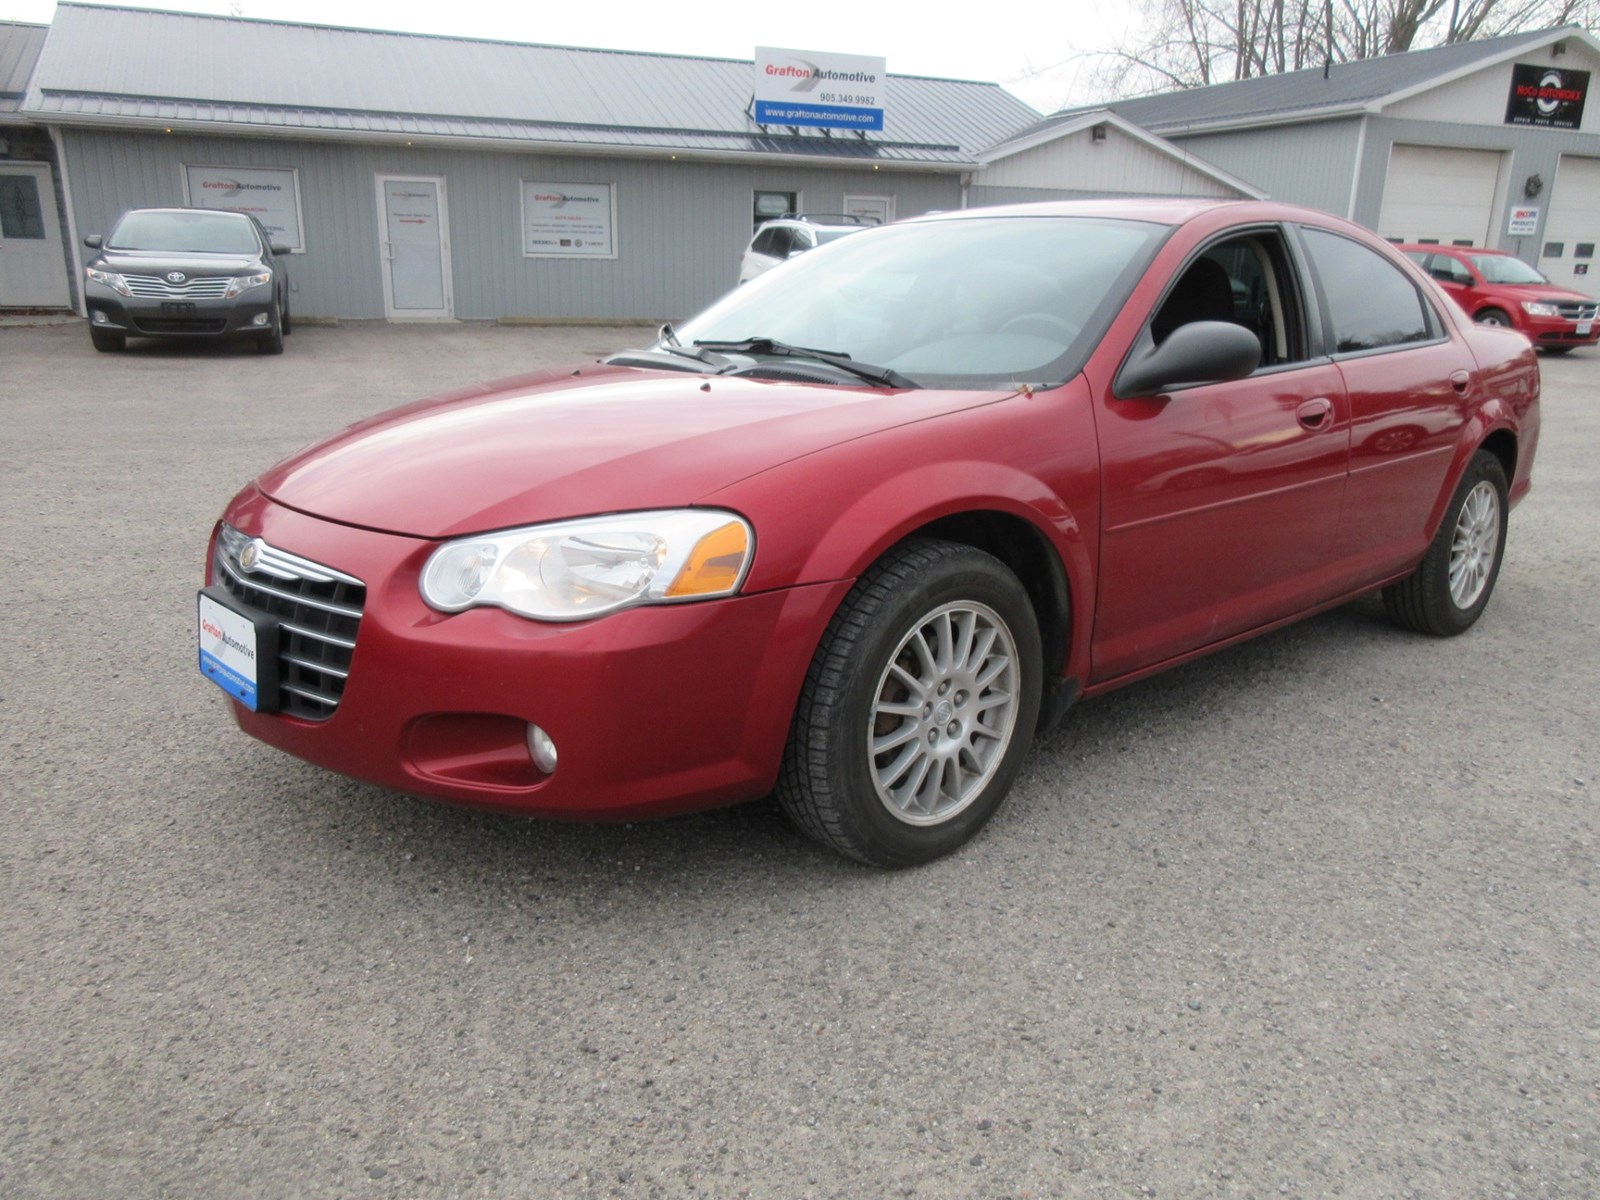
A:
(100, 318)
(259, 319)
(542, 749)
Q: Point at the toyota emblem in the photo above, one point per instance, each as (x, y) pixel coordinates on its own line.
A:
(176, 277)
(249, 555)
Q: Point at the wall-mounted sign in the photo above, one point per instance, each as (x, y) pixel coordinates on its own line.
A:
(818, 90)
(1524, 221)
(269, 194)
(568, 220)
(1549, 96)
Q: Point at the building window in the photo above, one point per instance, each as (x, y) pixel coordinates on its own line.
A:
(1554, 249)
(269, 194)
(1584, 250)
(769, 206)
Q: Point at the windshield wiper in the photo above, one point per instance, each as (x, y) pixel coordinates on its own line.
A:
(883, 376)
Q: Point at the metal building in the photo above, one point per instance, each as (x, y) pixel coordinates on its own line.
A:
(1488, 143)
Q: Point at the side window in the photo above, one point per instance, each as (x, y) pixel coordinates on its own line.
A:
(1247, 281)
(1371, 304)
(782, 239)
(764, 241)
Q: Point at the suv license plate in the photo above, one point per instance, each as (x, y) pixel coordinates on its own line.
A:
(177, 308)
(1584, 328)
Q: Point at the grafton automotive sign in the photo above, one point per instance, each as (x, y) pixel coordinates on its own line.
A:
(1547, 96)
(818, 90)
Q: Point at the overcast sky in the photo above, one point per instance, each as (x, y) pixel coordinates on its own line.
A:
(1041, 52)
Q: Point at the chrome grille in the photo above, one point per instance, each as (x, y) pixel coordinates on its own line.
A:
(318, 611)
(154, 287)
(1579, 310)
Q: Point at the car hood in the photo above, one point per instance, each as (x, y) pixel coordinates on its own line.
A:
(573, 443)
(136, 261)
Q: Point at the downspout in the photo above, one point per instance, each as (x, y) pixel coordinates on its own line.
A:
(74, 284)
(966, 187)
(1355, 176)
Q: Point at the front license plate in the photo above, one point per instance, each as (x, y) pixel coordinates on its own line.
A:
(231, 650)
(177, 308)
(1584, 328)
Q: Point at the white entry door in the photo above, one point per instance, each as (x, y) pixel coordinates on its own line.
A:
(415, 247)
(33, 272)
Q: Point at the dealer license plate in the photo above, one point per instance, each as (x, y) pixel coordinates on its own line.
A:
(229, 649)
(1584, 328)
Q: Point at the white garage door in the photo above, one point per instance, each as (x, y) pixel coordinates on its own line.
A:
(1441, 195)
(1573, 226)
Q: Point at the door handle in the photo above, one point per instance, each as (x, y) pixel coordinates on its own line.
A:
(1316, 413)
(1461, 381)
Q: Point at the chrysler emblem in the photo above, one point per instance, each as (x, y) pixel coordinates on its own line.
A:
(176, 277)
(250, 555)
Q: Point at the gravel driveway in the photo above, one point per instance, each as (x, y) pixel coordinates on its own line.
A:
(1314, 917)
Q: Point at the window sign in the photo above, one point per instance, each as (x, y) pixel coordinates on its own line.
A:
(568, 220)
(818, 90)
(269, 194)
(1546, 96)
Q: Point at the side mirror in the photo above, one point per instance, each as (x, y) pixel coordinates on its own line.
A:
(1199, 352)
(94, 241)
(280, 250)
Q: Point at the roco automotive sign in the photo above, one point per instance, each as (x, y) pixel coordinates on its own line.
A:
(810, 88)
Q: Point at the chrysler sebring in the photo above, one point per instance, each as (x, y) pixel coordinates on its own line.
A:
(862, 528)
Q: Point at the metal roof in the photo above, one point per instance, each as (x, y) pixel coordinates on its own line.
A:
(1347, 87)
(121, 65)
(19, 50)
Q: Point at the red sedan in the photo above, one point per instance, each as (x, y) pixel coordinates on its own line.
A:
(860, 529)
(1494, 287)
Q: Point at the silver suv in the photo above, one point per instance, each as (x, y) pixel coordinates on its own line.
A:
(782, 239)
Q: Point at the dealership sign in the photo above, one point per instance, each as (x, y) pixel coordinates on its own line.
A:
(817, 90)
(1546, 96)
(270, 195)
(568, 220)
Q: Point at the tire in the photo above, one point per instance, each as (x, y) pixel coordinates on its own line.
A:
(272, 341)
(288, 325)
(1555, 351)
(1493, 316)
(1450, 588)
(931, 621)
(107, 343)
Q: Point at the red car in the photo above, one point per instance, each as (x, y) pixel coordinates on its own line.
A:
(1494, 287)
(862, 527)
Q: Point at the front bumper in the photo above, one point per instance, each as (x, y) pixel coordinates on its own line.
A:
(1559, 331)
(249, 312)
(652, 710)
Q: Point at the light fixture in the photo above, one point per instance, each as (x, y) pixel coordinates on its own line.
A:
(1532, 186)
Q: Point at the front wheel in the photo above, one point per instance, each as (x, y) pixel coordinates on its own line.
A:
(271, 342)
(918, 709)
(1493, 316)
(1451, 586)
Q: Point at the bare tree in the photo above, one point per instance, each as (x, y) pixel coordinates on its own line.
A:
(1192, 43)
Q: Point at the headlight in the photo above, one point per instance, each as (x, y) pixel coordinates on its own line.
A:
(243, 283)
(574, 570)
(1538, 308)
(111, 279)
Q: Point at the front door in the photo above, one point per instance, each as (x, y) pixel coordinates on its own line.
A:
(33, 272)
(414, 247)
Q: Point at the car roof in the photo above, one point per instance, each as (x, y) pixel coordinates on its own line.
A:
(1435, 248)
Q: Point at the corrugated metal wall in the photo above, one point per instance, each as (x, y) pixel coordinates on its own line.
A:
(680, 225)
(1300, 164)
(1118, 165)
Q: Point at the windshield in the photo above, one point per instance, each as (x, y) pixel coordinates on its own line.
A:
(184, 232)
(982, 302)
(1502, 268)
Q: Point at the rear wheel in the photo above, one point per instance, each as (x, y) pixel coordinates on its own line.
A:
(918, 709)
(1450, 588)
(107, 342)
